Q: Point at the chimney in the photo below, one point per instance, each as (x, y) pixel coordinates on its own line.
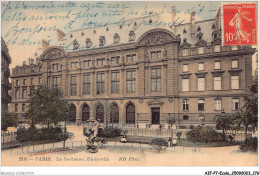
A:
(192, 23)
(173, 13)
(60, 34)
(45, 45)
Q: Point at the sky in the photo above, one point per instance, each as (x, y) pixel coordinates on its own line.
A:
(25, 24)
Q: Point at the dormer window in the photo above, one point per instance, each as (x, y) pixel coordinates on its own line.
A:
(88, 43)
(102, 40)
(75, 45)
(71, 35)
(131, 35)
(199, 36)
(184, 31)
(116, 38)
(213, 26)
(82, 34)
(150, 21)
(198, 29)
(214, 35)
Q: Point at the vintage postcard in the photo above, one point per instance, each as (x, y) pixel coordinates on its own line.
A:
(146, 83)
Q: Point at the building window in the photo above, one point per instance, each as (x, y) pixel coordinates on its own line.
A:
(23, 107)
(201, 66)
(86, 63)
(201, 104)
(217, 65)
(201, 50)
(24, 94)
(55, 82)
(217, 48)
(40, 68)
(102, 40)
(115, 60)
(234, 64)
(156, 55)
(40, 80)
(185, 84)
(116, 38)
(235, 104)
(17, 93)
(100, 61)
(16, 107)
(100, 83)
(31, 90)
(234, 47)
(234, 82)
(115, 82)
(86, 84)
(185, 52)
(185, 68)
(131, 35)
(17, 83)
(201, 84)
(130, 81)
(131, 58)
(185, 105)
(73, 85)
(185, 117)
(32, 80)
(156, 79)
(24, 81)
(217, 83)
(217, 104)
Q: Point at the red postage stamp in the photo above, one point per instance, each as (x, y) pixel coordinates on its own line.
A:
(239, 24)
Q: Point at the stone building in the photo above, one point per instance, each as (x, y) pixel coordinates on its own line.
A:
(146, 72)
(5, 73)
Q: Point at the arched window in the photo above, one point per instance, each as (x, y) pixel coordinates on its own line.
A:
(85, 112)
(130, 114)
(100, 113)
(72, 114)
(114, 113)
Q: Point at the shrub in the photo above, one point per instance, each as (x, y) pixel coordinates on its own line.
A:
(179, 135)
(110, 132)
(182, 127)
(34, 134)
(159, 144)
(200, 134)
(191, 127)
(249, 144)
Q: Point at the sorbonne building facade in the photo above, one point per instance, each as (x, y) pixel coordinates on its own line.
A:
(148, 73)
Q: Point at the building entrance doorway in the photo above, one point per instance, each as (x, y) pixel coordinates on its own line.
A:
(155, 115)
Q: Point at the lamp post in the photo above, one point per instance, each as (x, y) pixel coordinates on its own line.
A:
(65, 129)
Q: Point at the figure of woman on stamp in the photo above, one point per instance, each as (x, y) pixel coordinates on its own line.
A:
(237, 22)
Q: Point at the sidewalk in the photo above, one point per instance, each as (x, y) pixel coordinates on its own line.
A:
(10, 145)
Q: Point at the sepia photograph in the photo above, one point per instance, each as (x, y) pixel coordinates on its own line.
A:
(129, 83)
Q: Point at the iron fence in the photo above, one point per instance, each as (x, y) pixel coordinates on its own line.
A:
(8, 136)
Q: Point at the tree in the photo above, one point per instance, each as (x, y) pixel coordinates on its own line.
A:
(47, 106)
(223, 122)
(107, 108)
(8, 120)
(171, 121)
(249, 113)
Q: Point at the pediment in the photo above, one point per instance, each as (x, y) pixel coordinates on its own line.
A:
(53, 53)
(154, 102)
(158, 36)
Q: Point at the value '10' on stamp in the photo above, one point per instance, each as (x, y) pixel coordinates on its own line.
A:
(239, 24)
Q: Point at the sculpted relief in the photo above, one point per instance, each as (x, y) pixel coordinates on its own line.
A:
(156, 38)
(53, 54)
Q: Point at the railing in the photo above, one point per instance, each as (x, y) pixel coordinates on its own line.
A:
(8, 137)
